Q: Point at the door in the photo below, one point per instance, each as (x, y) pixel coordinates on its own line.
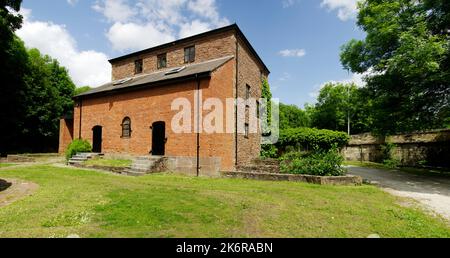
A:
(158, 138)
(97, 139)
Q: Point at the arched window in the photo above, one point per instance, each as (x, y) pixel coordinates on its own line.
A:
(126, 127)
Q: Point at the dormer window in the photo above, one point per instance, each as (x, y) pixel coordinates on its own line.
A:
(138, 66)
(189, 54)
(162, 61)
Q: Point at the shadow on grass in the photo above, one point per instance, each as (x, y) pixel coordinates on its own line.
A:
(4, 185)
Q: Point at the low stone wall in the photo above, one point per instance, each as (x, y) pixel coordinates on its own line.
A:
(188, 165)
(19, 158)
(118, 170)
(411, 149)
(321, 180)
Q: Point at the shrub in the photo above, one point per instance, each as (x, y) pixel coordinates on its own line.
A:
(269, 151)
(77, 146)
(311, 138)
(388, 157)
(318, 163)
(391, 163)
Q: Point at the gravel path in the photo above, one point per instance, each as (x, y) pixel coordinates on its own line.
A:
(431, 191)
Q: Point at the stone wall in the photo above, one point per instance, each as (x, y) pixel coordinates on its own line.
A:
(411, 149)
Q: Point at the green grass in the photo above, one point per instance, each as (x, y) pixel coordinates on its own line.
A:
(416, 171)
(4, 165)
(95, 204)
(109, 162)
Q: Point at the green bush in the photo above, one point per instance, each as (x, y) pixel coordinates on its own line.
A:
(318, 163)
(311, 138)
(77, 146)
(388, 156)
(269, 151)
(391, 163)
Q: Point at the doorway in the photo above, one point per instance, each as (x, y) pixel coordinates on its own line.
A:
(97, 139)
(158, 139)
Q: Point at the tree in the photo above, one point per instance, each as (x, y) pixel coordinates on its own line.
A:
(48, 97)
(292, 116)
(80, 90)
(9, 21)
(340, 106)
(13, 66)
(406, 52)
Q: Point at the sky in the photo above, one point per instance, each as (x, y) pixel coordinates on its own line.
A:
(298, 40)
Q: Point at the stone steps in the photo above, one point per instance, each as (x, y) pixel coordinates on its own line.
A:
(82, 157)
(146, 165)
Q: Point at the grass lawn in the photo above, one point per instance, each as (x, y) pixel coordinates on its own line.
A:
(95, 204)
(4, 165)
(109, 162)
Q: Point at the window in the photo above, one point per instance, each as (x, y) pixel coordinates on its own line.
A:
(189, 54)
(258, 110)
(162, 61)
(247, 93)
(138, 66)
(126, 127)
(246, 131)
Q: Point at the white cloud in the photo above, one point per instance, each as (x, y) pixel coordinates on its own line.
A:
(129, 36)
(195, 27)
(142, 24)
(72, 2)
(285, 76)
(346, 9)
(287, 3)
(114, 10)
(207, 9)
(85, 67)
(293, 52)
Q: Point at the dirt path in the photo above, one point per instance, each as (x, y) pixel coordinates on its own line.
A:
(12, 190)
(431, 191)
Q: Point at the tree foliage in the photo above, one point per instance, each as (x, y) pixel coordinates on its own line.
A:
(311, 138)
(339, 103)
(406, 53)
(82, 89)
(48, 97)
(292, 116)
(13, 61)
(35, 90)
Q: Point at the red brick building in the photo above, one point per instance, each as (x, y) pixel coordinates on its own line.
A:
(133, 114)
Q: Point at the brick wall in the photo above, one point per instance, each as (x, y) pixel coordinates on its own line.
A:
(144, 107)
(212, 47)
(154, 104)
(65, 134)
(249, 74)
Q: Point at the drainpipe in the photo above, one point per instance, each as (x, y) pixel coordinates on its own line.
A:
(198, 124)
(236, 105)
(81, 113)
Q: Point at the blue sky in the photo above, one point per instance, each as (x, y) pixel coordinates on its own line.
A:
(299, 40)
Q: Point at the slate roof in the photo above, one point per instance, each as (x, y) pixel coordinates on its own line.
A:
(192, 71)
